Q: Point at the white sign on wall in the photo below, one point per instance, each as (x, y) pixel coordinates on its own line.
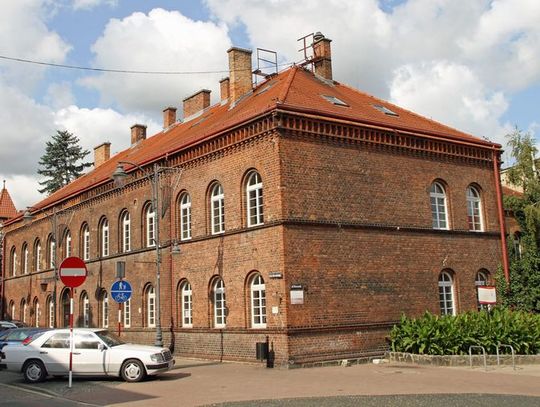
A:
(487, 295)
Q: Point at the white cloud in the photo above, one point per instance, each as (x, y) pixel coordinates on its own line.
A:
(162, 41)
(23, 190)
(59, 95)
(89, 4)
(452, 94)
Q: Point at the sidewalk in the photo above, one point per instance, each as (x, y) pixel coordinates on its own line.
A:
(195, 383)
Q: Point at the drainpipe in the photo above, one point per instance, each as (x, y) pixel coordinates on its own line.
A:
(3, 265)
(500, 210)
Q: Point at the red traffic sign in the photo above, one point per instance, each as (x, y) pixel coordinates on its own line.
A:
(73, 272)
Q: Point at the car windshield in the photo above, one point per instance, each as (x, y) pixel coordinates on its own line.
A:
(109, 338)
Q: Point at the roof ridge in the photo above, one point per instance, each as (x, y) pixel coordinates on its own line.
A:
(285, 91)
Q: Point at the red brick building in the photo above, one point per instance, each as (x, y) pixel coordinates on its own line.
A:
(304, 211)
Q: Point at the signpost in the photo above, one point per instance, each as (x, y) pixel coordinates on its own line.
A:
(73, 273)
(120, 292)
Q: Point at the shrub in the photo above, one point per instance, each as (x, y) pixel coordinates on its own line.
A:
(452, 335)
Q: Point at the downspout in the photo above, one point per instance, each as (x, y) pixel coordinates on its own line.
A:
(500, 210)
(3, 265)
(172, 232)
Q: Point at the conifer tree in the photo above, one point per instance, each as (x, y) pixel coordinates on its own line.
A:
(61, 162)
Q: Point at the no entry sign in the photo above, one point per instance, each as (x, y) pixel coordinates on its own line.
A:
(73, 272)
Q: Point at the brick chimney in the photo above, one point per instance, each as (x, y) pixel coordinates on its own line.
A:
(169, 116)
(224, 89)
(322, 53)
(138, 133)
(102, 153)
(240, 81)
(196, 102)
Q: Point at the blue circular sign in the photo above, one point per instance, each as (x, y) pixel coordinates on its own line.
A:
(121, 291)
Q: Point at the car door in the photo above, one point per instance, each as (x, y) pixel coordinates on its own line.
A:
(55, 353)
(89, 358)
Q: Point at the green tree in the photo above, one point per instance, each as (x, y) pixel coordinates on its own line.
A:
(61, 162)
(524, 290)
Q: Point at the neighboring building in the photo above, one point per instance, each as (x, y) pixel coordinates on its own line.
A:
(306, 212)
(7, 211)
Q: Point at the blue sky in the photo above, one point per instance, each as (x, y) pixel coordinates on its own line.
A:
(472, 65)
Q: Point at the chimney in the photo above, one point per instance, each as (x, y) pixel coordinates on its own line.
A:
(197, 102)
(322, 53)
(239, 73)
(169, 116)
(102, 153)
(138, 133)
(224, 88)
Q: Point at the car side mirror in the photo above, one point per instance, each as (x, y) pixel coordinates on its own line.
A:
(101, 347)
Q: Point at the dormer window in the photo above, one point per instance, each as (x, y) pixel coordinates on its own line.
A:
(385, 110)
(334, 100)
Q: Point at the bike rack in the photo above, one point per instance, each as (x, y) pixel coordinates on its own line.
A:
(502, 345)
(483, 354)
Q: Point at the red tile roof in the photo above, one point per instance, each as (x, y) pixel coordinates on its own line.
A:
(510, 191)
(7, 208)
(294, 89)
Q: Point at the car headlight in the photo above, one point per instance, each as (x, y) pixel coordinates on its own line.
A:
(157, 357)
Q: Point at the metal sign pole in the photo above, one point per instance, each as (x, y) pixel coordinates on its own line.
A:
(70, 335)
(119, 317)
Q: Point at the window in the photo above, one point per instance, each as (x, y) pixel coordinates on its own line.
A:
(25, 254)
(150, 222)
(85, 235)
(24, 310)
(385, 110)
(37, 313)
(86, 340)
(217, 209)
(254, 199)
(438, 206)
(334, 100)
(13, 261)
(104, 310)
(67, 242)
(518, 249)
(125, 238)
(150, 306)
(50, 312)
(51, 247)
(127, 313)
(85, 309)
(37, 255)
(12, 309)
(446, 294)
(104, 232)
(220, 308)
(187, 305)
(185, 216)
(258, 302)
(57, 341)
(474, 207)
(481, 280)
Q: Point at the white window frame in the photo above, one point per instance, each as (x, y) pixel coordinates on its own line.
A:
(68, 244)
(52, 253)
(150, 222)
(258, 302)
(50, 318)
(254, 200)
(104, 310)
(24, 311)
(38, 255)
(104, 238)
(13, 310)
(220, 304)
(439, 208)
(14, 262)
(185, 217)
(26, 253)
(474, 210)
(217, 209)
(480, 280)
(86, 242)
(37, 312)
(446, 294)
(86, 310)
(127, 313)
(126, 232)
(187, 305)
(150, 306)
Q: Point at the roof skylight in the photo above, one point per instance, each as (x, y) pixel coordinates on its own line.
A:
(385, 110)
(335, 100)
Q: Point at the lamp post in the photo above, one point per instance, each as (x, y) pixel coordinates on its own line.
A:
(119, 176)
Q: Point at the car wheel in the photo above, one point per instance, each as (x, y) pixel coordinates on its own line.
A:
(34, 371)
(133, 370)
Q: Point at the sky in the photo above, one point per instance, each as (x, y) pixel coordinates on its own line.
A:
(470, 64)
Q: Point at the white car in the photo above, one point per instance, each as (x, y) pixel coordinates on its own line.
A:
(96, 352)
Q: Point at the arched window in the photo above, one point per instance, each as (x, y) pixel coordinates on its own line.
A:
(37, 255)
(150, 225)
(37, 312)
(85, 242)
(150, 296)
(50, 312)
(12, 309)
(85, 310)
(439, 215)
(258, 302)
(518, 249)
(481, 280)
(13, 261)
(217, 209)
(220, 305)
(446, 294)
(24, 310)
(185, 216)
(254, 199)
(104, 309)
(67, 244)
(186, 300)
(474, 209)
(125, 230)
(127, 313)
(104, 237)
(25, 254)
(51, 251)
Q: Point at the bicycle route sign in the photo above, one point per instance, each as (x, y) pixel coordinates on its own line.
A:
(121, 291)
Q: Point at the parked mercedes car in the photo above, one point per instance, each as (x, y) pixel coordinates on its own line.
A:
(96, 352)
(19, 335)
